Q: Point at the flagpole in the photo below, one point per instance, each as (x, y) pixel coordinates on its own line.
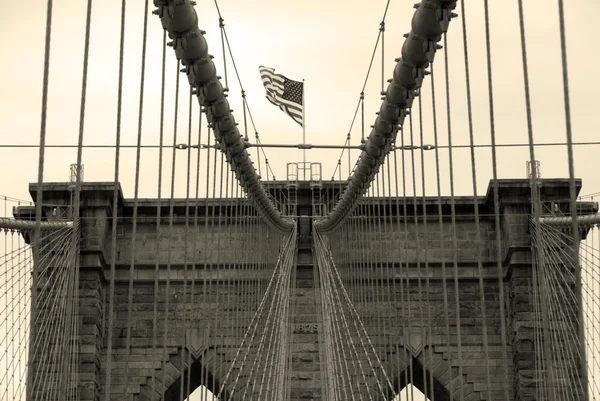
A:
(303, 131)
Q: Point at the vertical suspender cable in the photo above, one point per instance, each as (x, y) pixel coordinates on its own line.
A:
(398, 276)
(115, 212)
(30, 392)
(417, 232)
(219, 268)
(186, 238)
(371, 254)
(136, 193)
(247, 268)
(233, 281)
(441, 222)
(165, 355)
(387, 301)
(390, 278)
(496, 203)
(76, 219)
(548, 370)
(453, 220)
(205, 253)
(573, 194)
(195, 250)
(237, 318)
(426, 329)
(212, 332)
(407, 316)
(476, 205)
(153, 380)
(377, 263)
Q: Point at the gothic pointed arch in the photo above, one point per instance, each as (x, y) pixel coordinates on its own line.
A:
(430, 372)
(195, 376)
(424, 380)
(182, 371)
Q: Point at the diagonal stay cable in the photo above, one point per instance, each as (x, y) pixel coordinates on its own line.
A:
(254, 322)
(347, 298)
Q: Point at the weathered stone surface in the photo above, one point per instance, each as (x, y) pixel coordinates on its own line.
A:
(195, 290)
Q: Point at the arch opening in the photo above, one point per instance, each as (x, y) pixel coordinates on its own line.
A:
(410, 393)
(416, 383)
(201, 394)
(201, 386)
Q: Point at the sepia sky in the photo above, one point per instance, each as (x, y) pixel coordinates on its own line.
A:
(329, 44)
(326, 43)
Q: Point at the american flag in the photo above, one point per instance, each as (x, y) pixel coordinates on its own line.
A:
(283, 92)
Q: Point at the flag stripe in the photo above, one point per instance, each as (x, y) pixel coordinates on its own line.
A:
(293, 111)
(287, 103)
(270, 76)
(268, 80)
(283, 92)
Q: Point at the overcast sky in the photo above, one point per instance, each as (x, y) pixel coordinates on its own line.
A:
(328, 44)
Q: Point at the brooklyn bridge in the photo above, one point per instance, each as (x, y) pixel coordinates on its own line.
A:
(443, 247)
